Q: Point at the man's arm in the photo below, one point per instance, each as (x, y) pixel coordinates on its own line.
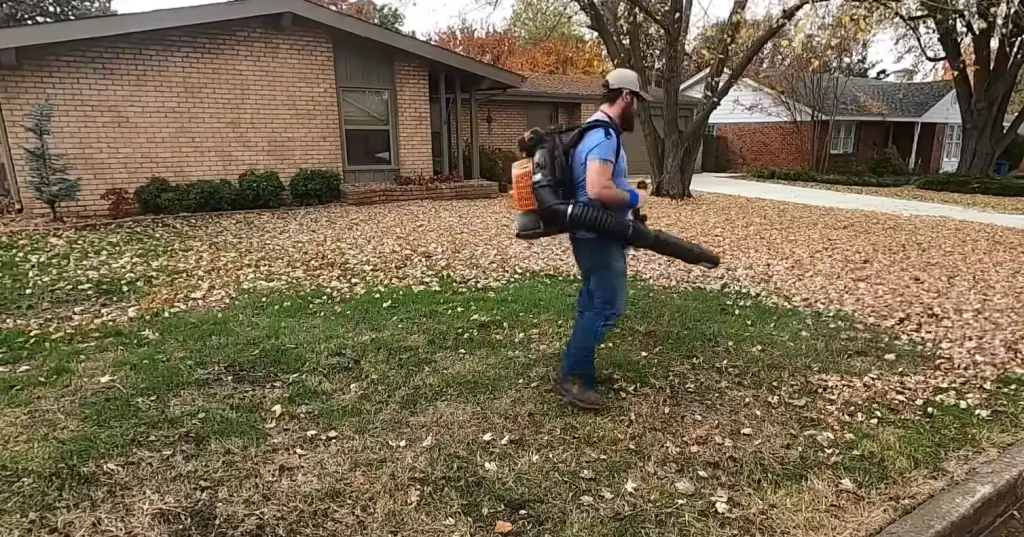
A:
(600, 186)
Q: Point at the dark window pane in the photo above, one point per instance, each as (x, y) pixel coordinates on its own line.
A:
(365, 108)
(368, 147)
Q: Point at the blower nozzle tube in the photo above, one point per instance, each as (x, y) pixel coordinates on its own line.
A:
(554, 216)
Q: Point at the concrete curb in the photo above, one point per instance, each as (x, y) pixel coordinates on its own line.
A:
(971, 507)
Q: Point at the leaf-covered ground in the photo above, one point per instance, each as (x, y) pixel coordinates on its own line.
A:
(432, 413)
(72, 368)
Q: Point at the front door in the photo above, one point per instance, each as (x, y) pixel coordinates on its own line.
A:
(951, 147)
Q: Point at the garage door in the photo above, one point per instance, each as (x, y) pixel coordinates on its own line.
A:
(636, 153)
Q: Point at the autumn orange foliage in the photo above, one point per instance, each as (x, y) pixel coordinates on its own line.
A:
(557, 55)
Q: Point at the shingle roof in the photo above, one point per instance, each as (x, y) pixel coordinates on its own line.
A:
(95, 27)
(871, 97)
(561, 84)
(582, 86)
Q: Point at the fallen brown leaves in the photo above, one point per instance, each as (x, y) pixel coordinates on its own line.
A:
(955, 284)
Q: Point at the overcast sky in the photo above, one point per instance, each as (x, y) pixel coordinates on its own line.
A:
(425, 16)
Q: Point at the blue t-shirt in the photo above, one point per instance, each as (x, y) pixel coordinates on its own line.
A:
(597, 145)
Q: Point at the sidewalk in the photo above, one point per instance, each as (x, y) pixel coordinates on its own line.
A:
(730, 184)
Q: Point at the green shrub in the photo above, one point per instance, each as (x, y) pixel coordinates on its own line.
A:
(799, 176)
(260, 189)
(315, 186)
(495, 163)
(989, 186)
(888, 163)
(176, 201)
(160, 196)
(211, 196)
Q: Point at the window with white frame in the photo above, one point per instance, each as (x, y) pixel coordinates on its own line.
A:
(368, 122)
(711, 129)
(954, 142)
(843, 134)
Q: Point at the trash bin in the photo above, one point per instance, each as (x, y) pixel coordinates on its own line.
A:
(1002, 167)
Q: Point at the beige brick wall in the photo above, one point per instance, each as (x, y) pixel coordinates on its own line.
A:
(412, 91)
(203, 102)
(509, 121)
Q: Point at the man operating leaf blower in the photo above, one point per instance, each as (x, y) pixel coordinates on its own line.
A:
(574, 180)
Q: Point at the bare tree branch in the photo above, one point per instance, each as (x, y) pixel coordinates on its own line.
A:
(650, 14)
(1011, 132)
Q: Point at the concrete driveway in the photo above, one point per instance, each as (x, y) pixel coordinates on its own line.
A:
(731, 184)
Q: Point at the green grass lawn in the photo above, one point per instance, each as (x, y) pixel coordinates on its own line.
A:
(431, 413)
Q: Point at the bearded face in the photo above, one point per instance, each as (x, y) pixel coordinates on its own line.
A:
(629, 115)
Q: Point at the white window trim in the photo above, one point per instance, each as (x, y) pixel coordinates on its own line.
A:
(843, 143)
(392, 128)
(711, 128)
(953, 139)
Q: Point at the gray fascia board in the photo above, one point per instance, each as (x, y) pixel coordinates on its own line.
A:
(96, 27)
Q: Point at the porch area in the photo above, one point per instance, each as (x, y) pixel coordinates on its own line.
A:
(925, 147)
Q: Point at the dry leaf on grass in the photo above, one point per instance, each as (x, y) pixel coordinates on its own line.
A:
(502, 527)
(685, 487)
(631, 486)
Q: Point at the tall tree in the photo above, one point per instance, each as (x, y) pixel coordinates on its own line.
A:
(534, 21)
(556, 55)
(22, 12)
(619, 22)
(982, 43)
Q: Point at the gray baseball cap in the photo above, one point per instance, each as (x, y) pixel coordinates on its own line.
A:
(627, 80)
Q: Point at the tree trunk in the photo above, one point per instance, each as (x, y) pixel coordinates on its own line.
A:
(670, 185)
(689, 165)
(53, 212)
(653, 145)
(977, 152)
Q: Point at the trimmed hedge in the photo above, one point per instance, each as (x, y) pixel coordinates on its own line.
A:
(989, 186)
(801, 176)
(255, 189)
(315, 186)
(963, 184)
(160, 196)
(261, 189)
(212, 196)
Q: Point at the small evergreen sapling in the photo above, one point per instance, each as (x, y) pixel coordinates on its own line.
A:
(47, 172)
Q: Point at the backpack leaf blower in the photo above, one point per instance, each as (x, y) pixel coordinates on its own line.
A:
(544, 194)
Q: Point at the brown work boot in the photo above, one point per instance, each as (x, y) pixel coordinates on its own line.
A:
(584, 398)
(564, 386)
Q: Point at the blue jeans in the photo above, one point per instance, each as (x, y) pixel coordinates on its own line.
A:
(602, 301)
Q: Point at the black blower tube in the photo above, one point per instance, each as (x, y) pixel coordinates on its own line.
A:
(555, 215)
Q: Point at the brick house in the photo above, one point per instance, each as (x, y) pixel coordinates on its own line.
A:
(210, 91)
(756, 128)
